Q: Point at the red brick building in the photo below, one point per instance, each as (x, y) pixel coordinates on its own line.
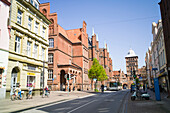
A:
(102, 55)
(67, 54)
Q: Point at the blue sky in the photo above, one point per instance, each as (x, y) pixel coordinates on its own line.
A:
(122, 24)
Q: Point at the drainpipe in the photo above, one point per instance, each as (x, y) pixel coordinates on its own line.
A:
(82, 79)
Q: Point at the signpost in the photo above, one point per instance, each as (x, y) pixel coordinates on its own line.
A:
(156, 86)
(52, 82)
(95, 80)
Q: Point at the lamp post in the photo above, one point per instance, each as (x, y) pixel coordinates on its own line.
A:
(156, 86)
(43, 78)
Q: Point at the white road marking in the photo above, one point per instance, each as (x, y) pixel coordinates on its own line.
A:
(81, 106)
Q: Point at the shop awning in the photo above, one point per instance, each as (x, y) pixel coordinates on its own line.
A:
(2, 67)
(163, 74)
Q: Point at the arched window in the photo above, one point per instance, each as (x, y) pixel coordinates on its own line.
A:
(51, 27)
(52, 21)
(44, 11)
(14, 77)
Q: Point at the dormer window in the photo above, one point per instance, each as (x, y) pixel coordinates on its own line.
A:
(31, 1)
(36, 5)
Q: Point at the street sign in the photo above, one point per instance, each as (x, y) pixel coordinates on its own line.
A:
(65, 76)
(169, 68)
(154, 68)
(94, 79)
(53, 79)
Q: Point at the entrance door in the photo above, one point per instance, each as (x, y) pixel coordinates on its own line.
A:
(62, 81)
(14, 76)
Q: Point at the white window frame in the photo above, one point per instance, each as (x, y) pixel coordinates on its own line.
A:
(50, 74)
(36, 27)
(29, 48)
(30, 23)
(43, 32)
(35, 50)
(51, 43)
(50, 58)
(35, 5)
(43, 54)
(17, 44)
(32, 2)
(19, 17)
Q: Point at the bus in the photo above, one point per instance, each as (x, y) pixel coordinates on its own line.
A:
(113, 86)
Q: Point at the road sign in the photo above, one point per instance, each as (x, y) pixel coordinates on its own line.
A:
(94, 79)
(154, 68)
(53, 79)
(168, 68)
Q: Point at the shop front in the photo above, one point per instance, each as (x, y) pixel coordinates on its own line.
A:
(163, 80)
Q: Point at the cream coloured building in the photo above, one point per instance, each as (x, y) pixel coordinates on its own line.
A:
(28, 46)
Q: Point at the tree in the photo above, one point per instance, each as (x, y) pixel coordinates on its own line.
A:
(97, 71)
(102, 74)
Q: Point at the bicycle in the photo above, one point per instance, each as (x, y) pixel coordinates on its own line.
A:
(16, 96)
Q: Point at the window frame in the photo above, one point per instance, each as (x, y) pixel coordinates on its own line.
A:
(35, 51)
(50, 58)
(43, 53)
(17, 48)
(30, 23)
(36, 27)
(19, 17)
(50, 74)
(29, 48)
(43, 32)
(51, 43)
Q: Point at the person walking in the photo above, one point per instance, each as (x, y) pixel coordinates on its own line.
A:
(102, 88)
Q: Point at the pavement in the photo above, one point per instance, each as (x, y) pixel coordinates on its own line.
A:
(128, 106)
(6, 105)
(148, 106)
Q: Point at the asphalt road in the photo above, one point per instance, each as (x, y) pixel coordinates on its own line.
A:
(108, 102)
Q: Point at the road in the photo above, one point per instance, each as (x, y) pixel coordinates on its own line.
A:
(108, 102)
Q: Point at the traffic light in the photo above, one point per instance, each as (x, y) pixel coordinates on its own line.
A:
(134, 76)
(68, 77)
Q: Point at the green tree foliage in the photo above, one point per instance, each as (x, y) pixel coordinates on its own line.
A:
(102, 74)
(93, 72)
(97, 71)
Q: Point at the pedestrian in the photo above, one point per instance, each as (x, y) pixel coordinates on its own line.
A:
(19, 91)
(143, 87)
(102, 88)
(30, 91)
(46, 89)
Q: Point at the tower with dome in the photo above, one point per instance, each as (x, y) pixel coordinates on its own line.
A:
(131, 65)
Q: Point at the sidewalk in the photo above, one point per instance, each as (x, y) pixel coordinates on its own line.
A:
(7, 105)
(149, 106)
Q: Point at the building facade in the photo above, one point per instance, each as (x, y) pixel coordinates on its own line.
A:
(131, 66)
(121, 78)
(142, 75)
(4, 45)
(102, 55)
(148, 59)
(165, 14)
(158, 54)
(67, 55)
(28, 46)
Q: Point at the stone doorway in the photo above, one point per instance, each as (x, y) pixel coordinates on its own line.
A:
(125, 86)
(62, 81)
